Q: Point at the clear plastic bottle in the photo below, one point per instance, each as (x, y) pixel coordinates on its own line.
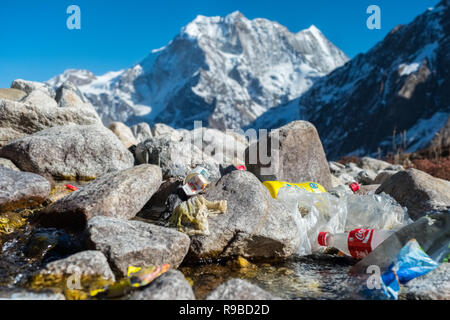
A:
(341, 190)
(357, 243)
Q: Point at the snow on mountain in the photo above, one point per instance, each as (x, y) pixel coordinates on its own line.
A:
(225, 71)
(395, 95)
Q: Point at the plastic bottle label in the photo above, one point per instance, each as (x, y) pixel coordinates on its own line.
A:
(360, 242)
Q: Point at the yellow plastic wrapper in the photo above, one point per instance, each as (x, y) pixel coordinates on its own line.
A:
(275, 186)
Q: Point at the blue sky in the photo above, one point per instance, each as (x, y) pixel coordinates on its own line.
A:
(35, 43)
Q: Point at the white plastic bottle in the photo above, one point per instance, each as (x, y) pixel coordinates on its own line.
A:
(357, 243)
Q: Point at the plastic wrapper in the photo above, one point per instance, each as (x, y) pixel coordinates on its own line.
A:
(317, 212)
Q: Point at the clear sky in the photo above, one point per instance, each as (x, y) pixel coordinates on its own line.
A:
(35, 43)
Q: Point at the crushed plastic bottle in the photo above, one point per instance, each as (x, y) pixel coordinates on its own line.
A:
(275, 186)
(196, 181)
(342, 190)
(357, 243)
(317, 212)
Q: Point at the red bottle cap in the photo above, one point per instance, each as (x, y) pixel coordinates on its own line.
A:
(242, 168)
(354, 186)
(321, 239)
(71, 187)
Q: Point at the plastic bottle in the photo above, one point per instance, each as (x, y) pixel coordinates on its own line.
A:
(357, 243)
(341, 190)
(195, 181)
(275, 186)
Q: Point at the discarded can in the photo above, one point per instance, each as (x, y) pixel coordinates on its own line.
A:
(275, 186)
(196, 181)
(242, 168)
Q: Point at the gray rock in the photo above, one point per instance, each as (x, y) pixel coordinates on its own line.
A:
(120, 195)
(395, 167)
(254, 226)
(172, 285)
(383, 176)
(141, 132)
(432, 286)
(6, 163)
(367, 189)
(336, 167)
(18, 119)
(237, 289)
(136, 243)
(21, 189)
(176, 158)
(300, 158)
(376, 165)
(40, 98)
(85, 264)
(335, 181)
(123, 132)
(30, 86)
(366, 177)
(68, 95)
(161, 129)
(418, 191)
(12, 94)
(70, 152)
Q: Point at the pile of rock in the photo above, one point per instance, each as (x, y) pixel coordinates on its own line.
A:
(48, 134)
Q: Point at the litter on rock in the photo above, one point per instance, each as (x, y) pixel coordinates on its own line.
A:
(71, 187)
(191, 216)
(275, 186)
(136, 277)
(196, 181)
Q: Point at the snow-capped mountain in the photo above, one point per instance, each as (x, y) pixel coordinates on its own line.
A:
(225, 71)
(397, 95)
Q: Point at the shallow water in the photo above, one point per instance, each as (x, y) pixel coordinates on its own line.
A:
(312, 277)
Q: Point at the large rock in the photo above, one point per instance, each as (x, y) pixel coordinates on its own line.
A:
(70, 152)
(254, 226)
(68, 95)
(161, 129)
(19, 119)
(124, 133)
(375, 165)
(121, 195)
(136, 243)
(40, 98)
(89, 263)
(29, 86)
(176, 158)
(141, 132)
(293, 153)
(12, 94)
(238, 289)
(21, 189)
(418, 191)
(172, 285)
(432, 286)
(225, 147)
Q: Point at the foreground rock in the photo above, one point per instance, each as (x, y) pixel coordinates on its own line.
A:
(254, 226)
(136, 243)
(176, 158)
(418, 191)
(120, 195)
(70, 152)
(375, 165)
(432, 286)
(19, 119)
(85, 264)
(300, 158)
(123, 132)
(30, 86)
(21, 189)
(237, 289)
(172, 285)
(30, 295)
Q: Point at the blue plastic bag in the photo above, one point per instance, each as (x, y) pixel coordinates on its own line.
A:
(411, 262)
